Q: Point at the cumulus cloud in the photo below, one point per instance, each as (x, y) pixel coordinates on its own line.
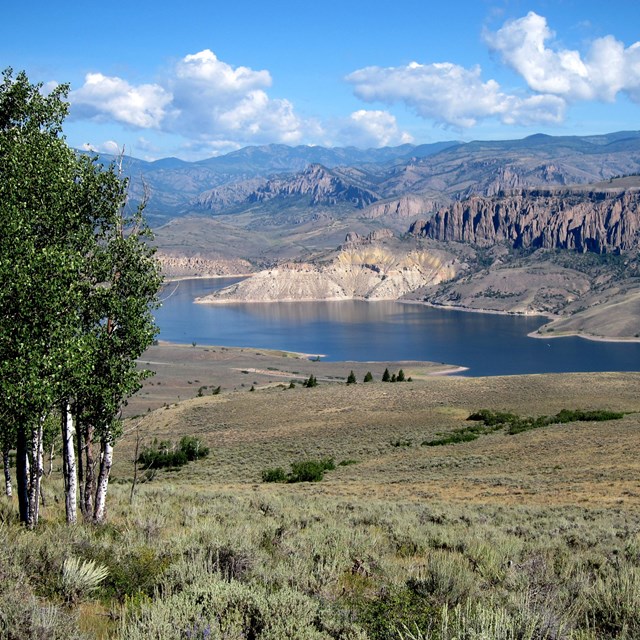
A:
(108, 146)
(451, 94)
(372, 129)
(214, 99)
(606, 69)
(208, 148)
(204, 71)
(200, 97)
(111, 98)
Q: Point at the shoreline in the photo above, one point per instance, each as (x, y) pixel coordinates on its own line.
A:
(518, 314)
(578, 334)
(448, 307)
(311, 358)
(267, 351)
(170, 279)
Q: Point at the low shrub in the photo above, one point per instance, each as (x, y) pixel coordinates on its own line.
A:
(80, 577)
(401, 443)
(216, 609)
(393, 608)
(310, 470)
(164, 454)
(452, 438)
(302, 471)
(515, 424)
(278, 474)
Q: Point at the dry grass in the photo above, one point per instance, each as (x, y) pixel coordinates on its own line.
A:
(530, 536)
(181, 370)
(382, 426)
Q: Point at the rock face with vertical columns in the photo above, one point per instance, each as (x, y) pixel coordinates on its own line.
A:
(598, 222)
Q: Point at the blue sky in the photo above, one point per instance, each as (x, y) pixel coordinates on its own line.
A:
(196, 79)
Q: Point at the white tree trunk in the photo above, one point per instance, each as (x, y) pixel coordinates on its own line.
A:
(52, 452)
(69, 465)
(35, 474)
(106, 459)
(7, 473)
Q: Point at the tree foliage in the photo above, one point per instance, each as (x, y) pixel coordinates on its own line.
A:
(78, 281)
(311, 381)
(166, 454)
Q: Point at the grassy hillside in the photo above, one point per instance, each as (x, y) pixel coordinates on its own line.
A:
(534, 535)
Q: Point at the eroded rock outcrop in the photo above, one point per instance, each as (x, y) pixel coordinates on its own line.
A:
(599, 222)
(354, 240)
(370, 274)
(409, 206)
(174, 266)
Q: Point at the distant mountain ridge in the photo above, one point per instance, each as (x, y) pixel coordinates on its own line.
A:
(443, 171)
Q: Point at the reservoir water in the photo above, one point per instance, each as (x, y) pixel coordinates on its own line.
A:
(488, 344)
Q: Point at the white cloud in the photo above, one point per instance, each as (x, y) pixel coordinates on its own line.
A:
(372, 129)
(606, 69)
(207, 148)
(108, 146)
(201, 98)
(110, 98)
(538, 109)
(451, 94)
(203, 70)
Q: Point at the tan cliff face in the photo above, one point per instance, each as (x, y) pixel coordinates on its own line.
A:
(371, 273)
(598, 222)
(410, 206)
(177, 266)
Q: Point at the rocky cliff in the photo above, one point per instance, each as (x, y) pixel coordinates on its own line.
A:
(599, 222)
(370, 273)
(315, 186)
(178, 266)
(410, 206)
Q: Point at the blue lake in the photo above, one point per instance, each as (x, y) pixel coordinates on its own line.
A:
(487, 344)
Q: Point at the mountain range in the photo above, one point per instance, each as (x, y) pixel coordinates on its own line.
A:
(441, 171)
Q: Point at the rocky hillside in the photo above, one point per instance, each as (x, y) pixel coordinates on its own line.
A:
(444, 171)
(371, 273)
(488, 167)
(598, 222)
(315, 186)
